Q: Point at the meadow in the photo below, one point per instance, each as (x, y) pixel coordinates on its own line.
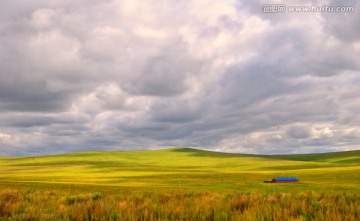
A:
(179, 184)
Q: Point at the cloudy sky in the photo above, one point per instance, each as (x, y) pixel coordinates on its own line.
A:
(81, 75)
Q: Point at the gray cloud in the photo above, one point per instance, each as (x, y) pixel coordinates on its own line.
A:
(299, 132)
(106, 75)
(162, 76)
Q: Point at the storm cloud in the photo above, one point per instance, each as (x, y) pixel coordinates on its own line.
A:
(216, 75)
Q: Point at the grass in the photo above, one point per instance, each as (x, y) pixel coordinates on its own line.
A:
(98, 185)
(177, 205)
(187, 169)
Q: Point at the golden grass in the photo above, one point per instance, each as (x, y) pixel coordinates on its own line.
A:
(177, 205)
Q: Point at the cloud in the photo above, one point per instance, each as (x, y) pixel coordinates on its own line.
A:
(343, 26)
(5, 137)
(162, 76)
(106, 75)
(299, 132)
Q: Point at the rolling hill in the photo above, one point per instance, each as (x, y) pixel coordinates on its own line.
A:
(183, 168)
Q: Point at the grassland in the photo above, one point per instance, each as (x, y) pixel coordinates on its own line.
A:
(185, 169)
(179, 184)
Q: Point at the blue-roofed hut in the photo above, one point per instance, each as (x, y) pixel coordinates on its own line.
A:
(285, 180)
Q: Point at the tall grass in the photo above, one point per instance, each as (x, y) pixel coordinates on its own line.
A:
(22, 204)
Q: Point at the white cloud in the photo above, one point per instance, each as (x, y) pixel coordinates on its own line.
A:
(108, 97)
(325, 132)
(43, 18)
(5, 137)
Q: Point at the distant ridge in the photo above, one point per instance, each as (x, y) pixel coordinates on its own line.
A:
(200, 152)
(190, 149)
(344, 157)
(352, 157)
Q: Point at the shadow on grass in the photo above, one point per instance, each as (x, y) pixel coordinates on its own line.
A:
(205, 153)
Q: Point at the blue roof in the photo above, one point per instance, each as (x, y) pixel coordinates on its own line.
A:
(286, 179)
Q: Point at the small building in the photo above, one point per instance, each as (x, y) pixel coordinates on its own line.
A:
(285, 180)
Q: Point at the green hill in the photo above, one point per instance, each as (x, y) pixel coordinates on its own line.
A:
(347, 157)
(183, 168)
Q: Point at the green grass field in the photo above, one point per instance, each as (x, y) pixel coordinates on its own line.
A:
(179, 184)
(184, 169)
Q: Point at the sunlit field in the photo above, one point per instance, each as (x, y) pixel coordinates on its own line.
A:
(180, 184)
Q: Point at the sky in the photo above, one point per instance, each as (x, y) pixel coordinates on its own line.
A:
(79, 75)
